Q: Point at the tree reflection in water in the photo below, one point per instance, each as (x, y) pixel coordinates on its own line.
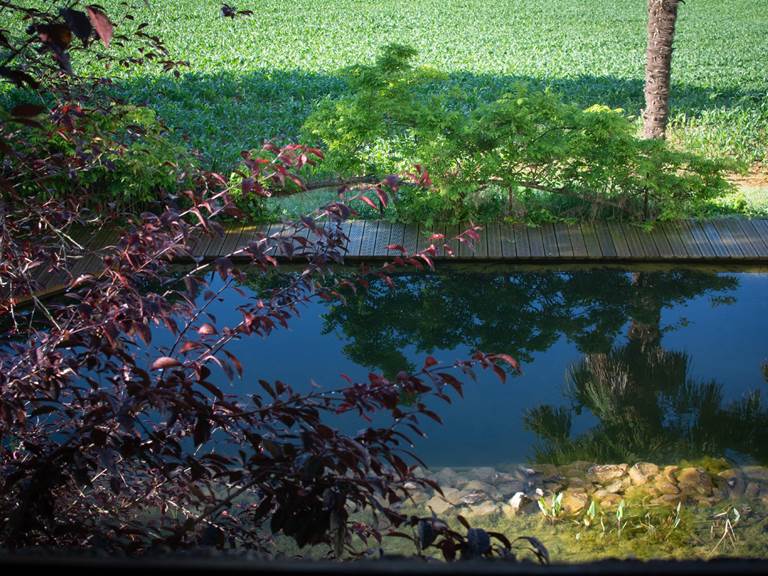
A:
(646, 403)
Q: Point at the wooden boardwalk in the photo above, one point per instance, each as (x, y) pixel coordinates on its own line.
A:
(738, 240)
(722, 241)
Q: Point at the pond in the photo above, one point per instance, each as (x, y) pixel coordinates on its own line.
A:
(638, 426)
(616, 365)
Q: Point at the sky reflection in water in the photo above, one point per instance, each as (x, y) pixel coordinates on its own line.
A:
(617, 366)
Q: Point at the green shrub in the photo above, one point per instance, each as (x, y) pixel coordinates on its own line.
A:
(124, 156)
(545, 156)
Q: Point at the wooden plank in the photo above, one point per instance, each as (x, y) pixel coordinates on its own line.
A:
(250, 235)
(368, 240)
(633, 241)
(89, 260)
(551, 249)
(53, 281)
(564, 245)
(199, 245)
(687, 238)
(619, 240)
(451, 231)
(426, 232)
(493, 234)
(346, 226)
(715, 240)
(471, 249)
(278, 232)
(742, 240)
(730, 243)
(761, 225)
(590, 240)
(481, 246)
(411, 238)
(649, 246)
(508, 241)
(231, 240)
(214, 247)
(702, 240)
(355, 237)
(607, 248)
(396, 238)
(535, 241)
(672, 236)
(660, 239)
(577, 241)
(382, 239)
(759, 243)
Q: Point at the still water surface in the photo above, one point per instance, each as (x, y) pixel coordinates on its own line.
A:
(618, 366)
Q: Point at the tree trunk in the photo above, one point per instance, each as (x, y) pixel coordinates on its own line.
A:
(662, 15)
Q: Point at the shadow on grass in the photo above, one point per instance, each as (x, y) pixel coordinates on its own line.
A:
(225, 113)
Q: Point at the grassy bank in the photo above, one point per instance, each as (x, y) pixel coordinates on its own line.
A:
(258, 77)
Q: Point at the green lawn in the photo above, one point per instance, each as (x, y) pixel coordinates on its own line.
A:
(258, 77)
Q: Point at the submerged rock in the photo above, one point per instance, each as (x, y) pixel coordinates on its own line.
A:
(509, 488)
(479, 486)
(519, 504)
(452, 495)
(752, 490)
(486, 508)
(694, 481)
(483, 474)
(438, 505)
(735, 482)
(472, 497)
(670, 473)
(446, 477)
(756, 473)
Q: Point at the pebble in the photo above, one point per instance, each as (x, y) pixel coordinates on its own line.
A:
(484, 491)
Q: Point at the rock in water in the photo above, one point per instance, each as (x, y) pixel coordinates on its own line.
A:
(694, 481)
(438, 505)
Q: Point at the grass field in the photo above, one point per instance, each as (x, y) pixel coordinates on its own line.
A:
(258, 77)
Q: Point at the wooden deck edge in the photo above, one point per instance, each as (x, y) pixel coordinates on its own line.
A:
(725, 242)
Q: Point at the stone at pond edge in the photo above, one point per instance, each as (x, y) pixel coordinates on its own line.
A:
(610, 501)
(483, 474)
(735, 482)
(574, 501)
(519, 504)
(606, 473)
(642, 472)
(752, 490)
(694, 481)
(438, 505)
(663, 485)
(446, 477)
(486, 508)
(479, 485)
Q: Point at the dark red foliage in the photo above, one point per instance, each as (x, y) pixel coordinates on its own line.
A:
(101, 447)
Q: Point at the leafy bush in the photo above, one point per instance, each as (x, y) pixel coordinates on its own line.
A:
(529, 144)
(117, 154)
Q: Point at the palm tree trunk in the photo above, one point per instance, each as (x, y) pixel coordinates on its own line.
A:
(662, 15)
